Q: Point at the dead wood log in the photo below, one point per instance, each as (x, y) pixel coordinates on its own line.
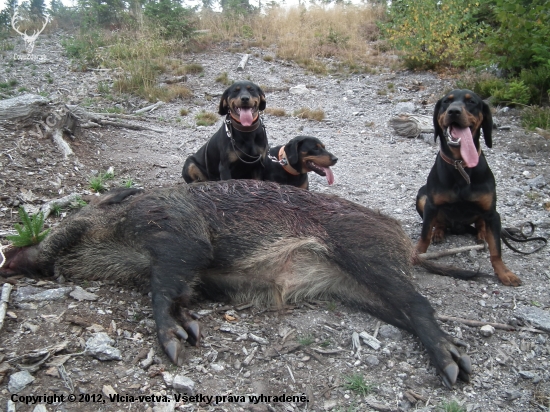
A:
(411, 125)
(243, 62)
(24, 108)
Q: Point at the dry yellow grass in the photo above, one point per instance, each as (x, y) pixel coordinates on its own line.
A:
(305, 35)
(306, 113)
(275, 111)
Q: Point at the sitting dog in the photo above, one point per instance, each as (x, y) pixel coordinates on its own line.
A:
(289, 164)
(238, 149)
(461, 188)
(250, 241)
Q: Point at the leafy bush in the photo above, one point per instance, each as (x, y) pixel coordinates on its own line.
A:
(515, 92)
(30, 233)
(521, 39)
(432, 33)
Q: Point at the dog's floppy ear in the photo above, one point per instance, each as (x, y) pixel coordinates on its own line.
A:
(487, 125)
(438, 131)
(291, 150)
(262, 99)
(224, 104)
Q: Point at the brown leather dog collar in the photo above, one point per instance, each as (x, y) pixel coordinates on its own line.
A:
(458, 164)
(238, 126)
(283, 161)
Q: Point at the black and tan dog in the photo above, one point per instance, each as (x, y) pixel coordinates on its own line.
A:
(250, 241)
(238, 149)
(461, 188)
(289, 164)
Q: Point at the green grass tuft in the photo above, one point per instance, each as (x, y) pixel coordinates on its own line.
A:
(30, 233)
(357, 384)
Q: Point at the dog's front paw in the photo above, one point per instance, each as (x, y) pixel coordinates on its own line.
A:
(508, 278)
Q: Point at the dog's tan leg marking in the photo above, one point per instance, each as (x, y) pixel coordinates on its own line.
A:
(505, 275)
(195, 173)
(485, 201)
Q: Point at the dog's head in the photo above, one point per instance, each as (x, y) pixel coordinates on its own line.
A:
(308, 154)
(458, 120)
(243, 100)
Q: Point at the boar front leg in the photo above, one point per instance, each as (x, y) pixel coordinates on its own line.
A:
(176, 261)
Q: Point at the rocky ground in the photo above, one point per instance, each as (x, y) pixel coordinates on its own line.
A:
(49, 340)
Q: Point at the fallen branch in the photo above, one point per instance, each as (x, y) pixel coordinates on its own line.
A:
(6, 290)
(453, 251)
(149, 108)
(471, 322)
(61, 144)
(48, 207)
(242, 63)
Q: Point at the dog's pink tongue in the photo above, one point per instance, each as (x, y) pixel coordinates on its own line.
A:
(468, 150)
(329, 175)
(245, 116)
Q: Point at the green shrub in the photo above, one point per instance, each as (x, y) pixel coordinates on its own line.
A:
(170, 18)
(431, 33)
(82, 49)
(521, 39)
(533, 117)
(515, 92)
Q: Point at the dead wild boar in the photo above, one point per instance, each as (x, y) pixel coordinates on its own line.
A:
(249, 241)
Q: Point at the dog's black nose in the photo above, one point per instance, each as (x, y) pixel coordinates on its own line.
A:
(454, 110)
(333, 159)
(245, 99)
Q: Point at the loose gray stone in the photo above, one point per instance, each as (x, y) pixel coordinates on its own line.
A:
(372, 360)
(34, 294)
(538, 317)
(80, 294)
(405, 107)
(512, 394)
(527, 374)
(99, 346)
(390, 332)
(184, 384)
(216, 367)
(40, 408)
(487, 330)
(537, 182)
(19, 381)
(165, 406)
(300, 89)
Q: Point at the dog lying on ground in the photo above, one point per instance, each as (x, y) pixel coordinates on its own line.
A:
(238, 149)
(461, 188)
(250, 241)
(289, 164)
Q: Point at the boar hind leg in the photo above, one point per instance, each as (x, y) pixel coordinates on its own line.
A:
(395, 301)
(174, 270)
